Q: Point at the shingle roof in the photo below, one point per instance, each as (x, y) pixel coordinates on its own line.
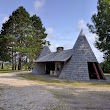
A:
(56, 56)
(45, 51)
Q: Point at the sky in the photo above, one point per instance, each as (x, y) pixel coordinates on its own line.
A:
(63, 19)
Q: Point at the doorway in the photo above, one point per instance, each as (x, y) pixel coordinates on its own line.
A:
(50, 66)
(95, 71)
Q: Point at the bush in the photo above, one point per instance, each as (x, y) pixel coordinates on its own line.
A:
(105, 66)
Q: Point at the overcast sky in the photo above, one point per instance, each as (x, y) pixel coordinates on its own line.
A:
(63, 19)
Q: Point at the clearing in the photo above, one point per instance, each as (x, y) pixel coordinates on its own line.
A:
(17, 93)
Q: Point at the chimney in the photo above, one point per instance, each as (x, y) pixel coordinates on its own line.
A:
(60, 49)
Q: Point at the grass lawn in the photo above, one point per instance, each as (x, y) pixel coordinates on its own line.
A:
(9, 71)
(62, 82)
(107, 74)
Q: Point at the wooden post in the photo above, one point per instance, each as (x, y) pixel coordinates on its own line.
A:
(101, 71)
(96, 71)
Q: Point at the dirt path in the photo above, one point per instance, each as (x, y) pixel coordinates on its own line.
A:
(19, 94)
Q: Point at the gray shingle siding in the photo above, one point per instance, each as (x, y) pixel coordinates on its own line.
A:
(44, 52)
(56, 56)
(75, 70)
(39, 68)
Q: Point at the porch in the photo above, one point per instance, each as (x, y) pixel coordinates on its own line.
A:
(53, 68)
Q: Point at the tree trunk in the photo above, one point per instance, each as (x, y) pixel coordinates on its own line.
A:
(2, 66)
(12, 64)
(19, 62)
(15, 63)
(12, 60)
(15, 66)
(26, 68)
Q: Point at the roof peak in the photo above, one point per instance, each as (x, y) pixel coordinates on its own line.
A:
(44, 51)
(81, 33)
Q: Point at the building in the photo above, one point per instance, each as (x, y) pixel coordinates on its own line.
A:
(78, 63)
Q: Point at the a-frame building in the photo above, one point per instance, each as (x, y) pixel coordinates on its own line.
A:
(83, 64)
(78, 63)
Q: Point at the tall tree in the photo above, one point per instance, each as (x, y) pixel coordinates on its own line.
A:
(35, 43)
(19, 26)
(39, 35)
(28, 32)
(101, 27)
(6, 48)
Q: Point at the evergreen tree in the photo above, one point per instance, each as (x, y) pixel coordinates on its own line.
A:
(18, 26)
(28, 33)
(6, 49)
(101, 27)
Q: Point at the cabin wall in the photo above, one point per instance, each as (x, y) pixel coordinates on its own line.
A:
(39, 68)
(75, 70)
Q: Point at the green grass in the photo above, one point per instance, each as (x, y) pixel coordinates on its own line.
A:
(9, 71)
(63, 82)
(107, 73)
(38, 78)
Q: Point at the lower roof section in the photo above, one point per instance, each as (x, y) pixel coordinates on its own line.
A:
(56, 56)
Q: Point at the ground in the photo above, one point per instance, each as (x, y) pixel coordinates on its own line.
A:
(17, 93)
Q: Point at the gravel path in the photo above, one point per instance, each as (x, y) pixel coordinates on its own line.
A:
(19, 94)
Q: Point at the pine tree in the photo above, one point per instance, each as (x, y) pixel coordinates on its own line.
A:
(101, 27)
(28, 35)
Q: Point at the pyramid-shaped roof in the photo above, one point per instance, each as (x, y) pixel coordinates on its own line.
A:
(82, 49)
(45, 51)
(77, 68)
